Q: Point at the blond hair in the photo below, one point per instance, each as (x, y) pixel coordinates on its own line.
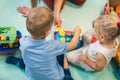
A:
(107, 25)
(38, 21)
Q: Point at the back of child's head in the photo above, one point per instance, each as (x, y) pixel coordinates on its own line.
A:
(39, 21)
(108, 25)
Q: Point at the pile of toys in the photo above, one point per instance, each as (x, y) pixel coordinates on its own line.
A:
(9, 39)
(112, 8)
(65, 36)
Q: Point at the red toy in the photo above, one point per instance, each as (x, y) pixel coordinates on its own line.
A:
(106, 11)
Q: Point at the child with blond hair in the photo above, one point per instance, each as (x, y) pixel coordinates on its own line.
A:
(95, 56)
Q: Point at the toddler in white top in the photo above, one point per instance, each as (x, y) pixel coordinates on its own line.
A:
(95, 56)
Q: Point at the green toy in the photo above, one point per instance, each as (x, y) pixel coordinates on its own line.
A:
(9, 39)
(7, 34)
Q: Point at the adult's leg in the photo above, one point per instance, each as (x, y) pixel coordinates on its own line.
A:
(78, 2)
(50, 4)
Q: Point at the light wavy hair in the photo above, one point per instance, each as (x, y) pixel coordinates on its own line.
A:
(107, 25)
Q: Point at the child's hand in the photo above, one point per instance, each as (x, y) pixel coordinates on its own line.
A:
(82, 57)
(77, 30)
(24, 10)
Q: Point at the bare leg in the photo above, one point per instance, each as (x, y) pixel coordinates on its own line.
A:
(65, 63)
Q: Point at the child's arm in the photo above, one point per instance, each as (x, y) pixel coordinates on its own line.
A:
(98, 65)
(74, 41)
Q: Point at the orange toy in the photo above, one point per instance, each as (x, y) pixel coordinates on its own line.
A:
(117, 56)
(118, 9)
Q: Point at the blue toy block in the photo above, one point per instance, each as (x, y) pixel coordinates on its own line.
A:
(19, 35)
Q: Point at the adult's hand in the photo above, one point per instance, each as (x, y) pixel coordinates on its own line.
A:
(57, 19)
(24, 10)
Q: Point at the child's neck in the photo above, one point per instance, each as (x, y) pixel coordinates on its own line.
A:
(109, 44)
(35, 38)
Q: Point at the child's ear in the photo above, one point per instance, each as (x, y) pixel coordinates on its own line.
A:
(103, 37)
(93, 24)
(119, 44)
(47, 32)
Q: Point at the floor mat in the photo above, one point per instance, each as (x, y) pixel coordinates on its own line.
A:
(71, 16)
